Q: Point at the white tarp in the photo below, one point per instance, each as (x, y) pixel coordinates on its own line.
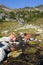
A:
(4, 39)
(5, 45)
(2, 54)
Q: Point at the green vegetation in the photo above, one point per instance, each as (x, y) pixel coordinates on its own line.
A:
(30, 16)
(41, 44)
(12, 15)
(3, 19)
(32, 42)
(31, 50)
(26, 15)
(34, 17)
(1, 11)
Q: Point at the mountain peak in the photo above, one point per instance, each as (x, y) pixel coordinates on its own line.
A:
(40, 7)
(2, 6)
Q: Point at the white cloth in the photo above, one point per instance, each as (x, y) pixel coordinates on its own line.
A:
(5, 39)
(2, 54)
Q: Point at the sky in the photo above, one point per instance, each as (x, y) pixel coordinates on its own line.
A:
(21, 3)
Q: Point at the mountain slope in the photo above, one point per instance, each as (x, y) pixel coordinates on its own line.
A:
(40, 7)
(3, 7)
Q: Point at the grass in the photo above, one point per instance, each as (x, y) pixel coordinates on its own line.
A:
(30, 31)
(31, 50)
(32, 42)
(41, 44)
(11, 26)
(39, 37)
(37, 22)
(7, 24)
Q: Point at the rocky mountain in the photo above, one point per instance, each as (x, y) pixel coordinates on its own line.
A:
(3, 7)
(21, 14)
(39, 7)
